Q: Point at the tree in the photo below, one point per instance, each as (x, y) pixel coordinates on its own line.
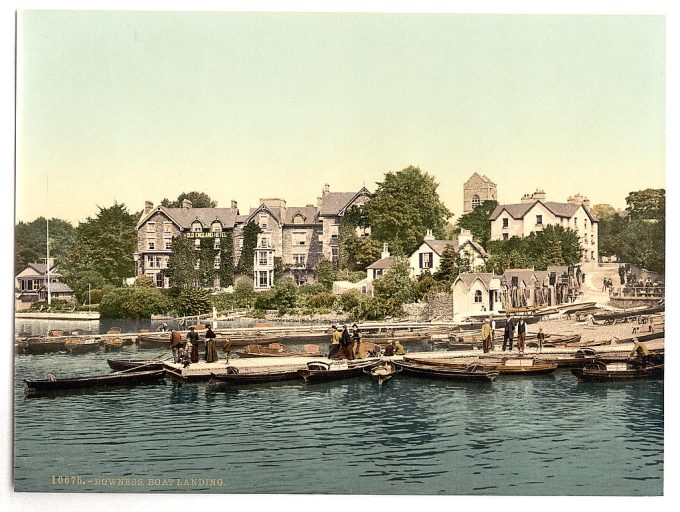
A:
(192, 301)
(405, 205)
(104, 244)
(182, 270)
(245, 264)
(133, 302)
(226, 270)
(478, 223)
(649, 204)
(206, 263)
(396, 284)
(450, 265)
(30, 241)
(198, 200)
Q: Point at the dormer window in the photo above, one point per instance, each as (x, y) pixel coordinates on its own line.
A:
(216, 227)
(196, 226)
(298, 219)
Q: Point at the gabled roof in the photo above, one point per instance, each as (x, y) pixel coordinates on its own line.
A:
(438, 246)
(383, 263)
(262, 208)
(470, 277)
(525, 274)
(519, 210)
(183, 217)
(334, 203)
(57, 288)
(477, 247)
(308, 214)
(41, 268)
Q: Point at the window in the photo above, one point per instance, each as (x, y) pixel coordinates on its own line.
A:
(575, 222)
(216, 244)
(475, 201)
(263, 221)
(197, 264)
(216, 227)
(196, 227)
(299, 259)
(167, 227)
(298, 219)
(478, 296)
(585, 223)
(505, 223)
(240, 244)
(335, 254)
(264, 242)
(263, 279)
(539, 220)
(505, 236)
(197, 244)
(151, 244)
(592, 239)
(159, 280)
(168, 243)
(426, 260)
(334, 231)
(262, 260)
(300, 280)
(217, 263)
(150, 227)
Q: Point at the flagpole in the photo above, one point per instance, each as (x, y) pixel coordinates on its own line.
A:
(49, 294)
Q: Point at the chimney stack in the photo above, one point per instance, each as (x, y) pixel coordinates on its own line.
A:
(385, 252)
(186, 204)
(428, 235)
(148, 206)
(326, 189)
(527, 198)
(464, 236)
(539, 194)
(234, 205)
(318, 202)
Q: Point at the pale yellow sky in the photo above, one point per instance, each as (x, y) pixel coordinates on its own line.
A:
(132, 106)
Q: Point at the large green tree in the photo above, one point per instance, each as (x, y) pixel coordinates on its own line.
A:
(405, 205)
(30, 241)
(104, 244)
(477, 221)
(198, 200)
(647, 204)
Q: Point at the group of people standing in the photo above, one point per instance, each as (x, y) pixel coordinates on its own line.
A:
(511, 328)
(186, 351)
(346, 345)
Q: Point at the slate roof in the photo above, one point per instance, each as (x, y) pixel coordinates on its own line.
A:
(57, 288)
(41, 268)
(470, 277)
(308, 214)
(438, 246)
(481, 177)
(333, 202)
(526, 275)
(519, 210)
(185, 216)
(383, 263)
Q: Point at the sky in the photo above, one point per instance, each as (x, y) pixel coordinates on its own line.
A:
(135, 106)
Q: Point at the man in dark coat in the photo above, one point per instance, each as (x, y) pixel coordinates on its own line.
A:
(193, 339)
(175, 345)
(521, 334)
(347, 343)
(508, 333)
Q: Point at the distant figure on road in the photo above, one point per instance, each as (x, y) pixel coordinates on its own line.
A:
(175, 345)
(334, 348)
(508, 333)
(521, 334)
(622, 274)
(210, 349)
(604, 284)
(486, 336)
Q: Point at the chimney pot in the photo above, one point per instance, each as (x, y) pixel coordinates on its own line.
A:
(186, 204)
(234, 204)
(148, 206)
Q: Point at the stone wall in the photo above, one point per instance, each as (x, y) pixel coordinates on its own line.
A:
(437, 308)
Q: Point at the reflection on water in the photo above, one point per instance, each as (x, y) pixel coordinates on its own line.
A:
(545, 435)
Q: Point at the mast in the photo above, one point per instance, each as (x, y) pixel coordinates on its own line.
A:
(49, 294)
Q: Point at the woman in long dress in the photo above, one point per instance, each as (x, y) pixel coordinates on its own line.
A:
(210, 349)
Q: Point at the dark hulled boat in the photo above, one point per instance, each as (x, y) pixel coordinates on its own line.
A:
(234, 376)
(603, 372)
(319, 371)
(53, 384)
(471, 373)
(505, 365)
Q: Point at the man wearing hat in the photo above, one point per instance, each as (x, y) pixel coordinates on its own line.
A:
(486, 336)
(335, 343)
(192, 338)
(210, 348)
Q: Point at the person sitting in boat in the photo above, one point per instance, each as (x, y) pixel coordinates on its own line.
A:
(210, 349)
(335, 343)
(389, 349)
(399, 349)
(192, 345)
(175, 345)
(640, 353)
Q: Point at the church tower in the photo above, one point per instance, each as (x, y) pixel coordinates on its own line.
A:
(476, 190)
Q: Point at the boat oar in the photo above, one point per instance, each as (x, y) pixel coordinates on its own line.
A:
(135, 368)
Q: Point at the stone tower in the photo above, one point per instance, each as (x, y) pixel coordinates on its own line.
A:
(476, 190)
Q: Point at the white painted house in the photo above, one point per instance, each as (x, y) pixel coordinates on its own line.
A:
(475, 293)
(428, 256)
(533, 213)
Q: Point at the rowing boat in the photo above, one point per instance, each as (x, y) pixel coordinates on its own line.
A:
(52, 383)
(128, 364)
(319, 371)
(601, 371)
(234, 376)
(505, 365)
(382, 372)
(475, 372)
(276, 350)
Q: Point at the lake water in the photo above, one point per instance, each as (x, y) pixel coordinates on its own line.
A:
(516, 436)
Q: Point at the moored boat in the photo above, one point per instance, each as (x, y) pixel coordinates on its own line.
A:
(32, 387)
(601, 371)
(382, 372)
(505, 365)
(277, 350)
(235, 376)
(319, 371)
(80, 345)
(474, 372)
